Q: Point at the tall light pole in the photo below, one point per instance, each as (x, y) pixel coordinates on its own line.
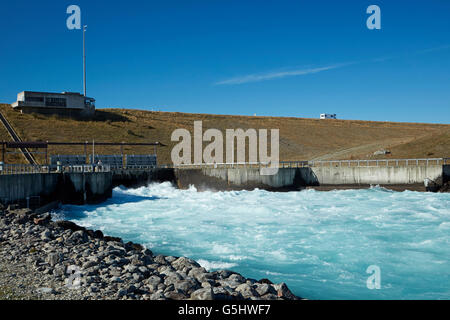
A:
(84, 59)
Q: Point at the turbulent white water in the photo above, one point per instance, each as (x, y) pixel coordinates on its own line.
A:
(319, 243)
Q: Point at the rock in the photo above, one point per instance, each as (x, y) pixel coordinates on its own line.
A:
(246, 290)
(116, 280)
(221, 293)
(269, 296)
(284, 292)
(170, 259)
(172, 295)
(78, 237)
(236, 278)
(21, 218)
(142, 269)
(44, 219)
(93, 288)
(95, 234)
(54, 258)
(136, 261)
(59, 270)
(108, 268)
(186, 285)
(68, 225)
(157, 295)
(160, 259)
(172, 278)
(207, 283)
(122, 292)
(381, 152)
(264, 280)
(46, 235)
(133, 246)
(200, 274)
(90, 263)
(166, 270)
(130, 268)
(147, 252)
(137, 277)
(203, 294)
(183, 262)
(264, 288)
(154, 280)
(223, 274)
(45, 290)
(113, 239)
(233, 280)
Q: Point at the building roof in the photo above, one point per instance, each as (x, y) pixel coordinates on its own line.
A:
(63, 93)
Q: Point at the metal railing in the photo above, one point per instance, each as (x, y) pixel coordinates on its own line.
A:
(365, 163)
(221, 165)
(322, 163)
(31, 168)
(22, 168)
(85, 168)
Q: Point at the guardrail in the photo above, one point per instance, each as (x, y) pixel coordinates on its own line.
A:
(31, 168)
(365, 163)
(221, 165)
(322, 163)
(22, 168)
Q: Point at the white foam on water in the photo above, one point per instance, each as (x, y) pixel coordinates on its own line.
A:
(215, 265)
(319, 243)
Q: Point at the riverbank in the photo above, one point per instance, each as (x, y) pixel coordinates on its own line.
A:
(59, 260)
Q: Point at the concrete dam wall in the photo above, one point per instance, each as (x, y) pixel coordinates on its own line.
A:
(76, 187)
(297, 178)
(66, 187)
(377, 175)
(91, 187)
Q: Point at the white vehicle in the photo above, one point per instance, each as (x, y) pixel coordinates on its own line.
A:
(327, 116)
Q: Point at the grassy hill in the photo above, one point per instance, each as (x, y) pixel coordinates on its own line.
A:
(300, 139)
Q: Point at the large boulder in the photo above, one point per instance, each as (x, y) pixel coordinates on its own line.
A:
(284, 292)
(203, 294)
(78, 237)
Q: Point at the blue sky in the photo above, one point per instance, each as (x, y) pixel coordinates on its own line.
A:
(281, 58)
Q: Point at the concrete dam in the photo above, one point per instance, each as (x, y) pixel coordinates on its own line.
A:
(92, 187)
(322, 178)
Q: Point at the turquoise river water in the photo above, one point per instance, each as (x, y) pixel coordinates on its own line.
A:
(319, 243)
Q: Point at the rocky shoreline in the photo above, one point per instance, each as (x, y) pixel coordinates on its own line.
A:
(59, 260)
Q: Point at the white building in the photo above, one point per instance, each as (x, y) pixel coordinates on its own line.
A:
(65, 103)
(328, 116)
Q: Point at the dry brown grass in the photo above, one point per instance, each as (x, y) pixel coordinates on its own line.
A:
(300, 138)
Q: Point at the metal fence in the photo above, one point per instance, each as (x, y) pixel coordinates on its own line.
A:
(30, 168)
(141, 160)
(113, 160)
(365, 163)
(220, 165)
(23, 168)
(323, 163)
(67, 160)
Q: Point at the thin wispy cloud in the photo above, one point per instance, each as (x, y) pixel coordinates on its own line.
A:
(257, 77)
(279, 74)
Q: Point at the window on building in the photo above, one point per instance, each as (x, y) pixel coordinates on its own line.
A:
(34, 99)
(55, 102)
